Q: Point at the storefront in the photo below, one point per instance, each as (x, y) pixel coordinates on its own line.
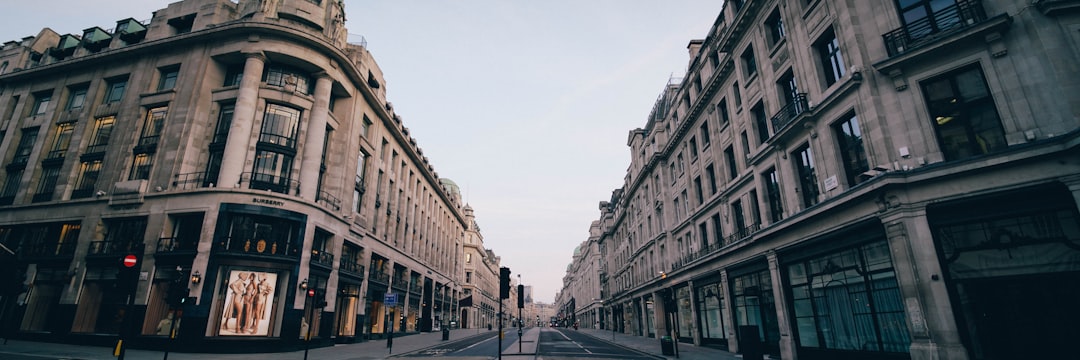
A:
(710, 310)
(1012, 270)
(755, 306)
(844, 298)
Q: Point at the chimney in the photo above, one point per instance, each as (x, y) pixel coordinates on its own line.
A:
(695, 48)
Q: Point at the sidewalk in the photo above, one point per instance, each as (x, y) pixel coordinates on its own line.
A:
(652, 346)
(370, 350)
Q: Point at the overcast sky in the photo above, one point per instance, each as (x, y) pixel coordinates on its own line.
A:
(524, 104)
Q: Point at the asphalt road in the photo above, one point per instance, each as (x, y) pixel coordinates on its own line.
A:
(482, 346)
(558, 343)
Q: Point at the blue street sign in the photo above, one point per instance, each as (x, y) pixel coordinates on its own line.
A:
(390, 299)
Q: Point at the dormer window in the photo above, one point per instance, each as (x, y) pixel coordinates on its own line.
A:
(95, 39)
(182, 24)
(66, 47)
(130, 30)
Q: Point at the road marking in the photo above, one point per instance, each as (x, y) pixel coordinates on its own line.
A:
(572, 340)
(478, 343)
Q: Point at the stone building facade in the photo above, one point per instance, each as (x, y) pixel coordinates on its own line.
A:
(858, 180)
(246, 153)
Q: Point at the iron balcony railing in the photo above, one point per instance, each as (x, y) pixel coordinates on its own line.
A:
(49, 250)
(379, 277)
(400, 283)
(194, 180)
(329, 201)
(416, 288)
(790, 112)
(104, 247)
(351, 267)
(176, 244)
(322, 258)
(742, 234)
(963, 14)
(278, 184)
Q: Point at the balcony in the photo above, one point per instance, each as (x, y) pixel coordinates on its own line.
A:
(416, 288)
(963, 14)
(787, 114)
(278, 184)
(379, 277)
(39, 252)
(103, 248)
(351, 268)
(400, 283)
(193, 181)
(172, 245)
(742, 234)
(322, 258)
(262, 247)
(328, 201)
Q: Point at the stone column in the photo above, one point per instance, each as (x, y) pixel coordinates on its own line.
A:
(695, 321)
(930, 319)
(729, 324)
(316, 136)
(236, 146)
(787, 342)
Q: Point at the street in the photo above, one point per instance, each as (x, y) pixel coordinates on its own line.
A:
(551, 344)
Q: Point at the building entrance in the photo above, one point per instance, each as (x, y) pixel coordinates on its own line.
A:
(1022, 317)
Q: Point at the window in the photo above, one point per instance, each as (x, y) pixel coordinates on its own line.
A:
(710, 172)
(761, 124)
(11, 185)
(775, 26)
(849, 139)
(167, 77)
(284, 76)
(102, 132)
(699, 190)
(63, 140)
(826, 292)
(738, 219)
(88, 175)
(755, 207)
(775, 198)
(272, 171)
(718, 232)
(47, 185)
(693, 149)
(155, 120)
(789, 89)
(804, 163)
(722, 109)
(234, 74)
(749, 62)
(77, 98)
(3, 67)
(279, 125)
(114, 90)
(468, 274)
(41, 102)
(832, 60)
(26, 146)
(736, 97)
(140, 167)
(733, 168)
(224, 122)
(682, 166)
(924, 17)
(358, 188)
(963, 113)
(365, 127)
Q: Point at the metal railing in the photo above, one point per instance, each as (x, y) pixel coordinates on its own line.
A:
(790, 112)
(379, 277)
(741, 234)
(351, 268)
(176, 244)
(193, 180)
(328, 201)
(49, 250)
(278, 184)
(322, 258)
(103, 247)
(416, 288)
(964, 13)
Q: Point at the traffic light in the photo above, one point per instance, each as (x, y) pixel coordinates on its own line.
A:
(521, 296)
(177, 294)
(504, 283)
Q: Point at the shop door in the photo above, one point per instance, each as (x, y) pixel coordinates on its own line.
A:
(1023, 317)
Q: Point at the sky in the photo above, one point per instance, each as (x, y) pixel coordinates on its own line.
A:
(526, 105)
